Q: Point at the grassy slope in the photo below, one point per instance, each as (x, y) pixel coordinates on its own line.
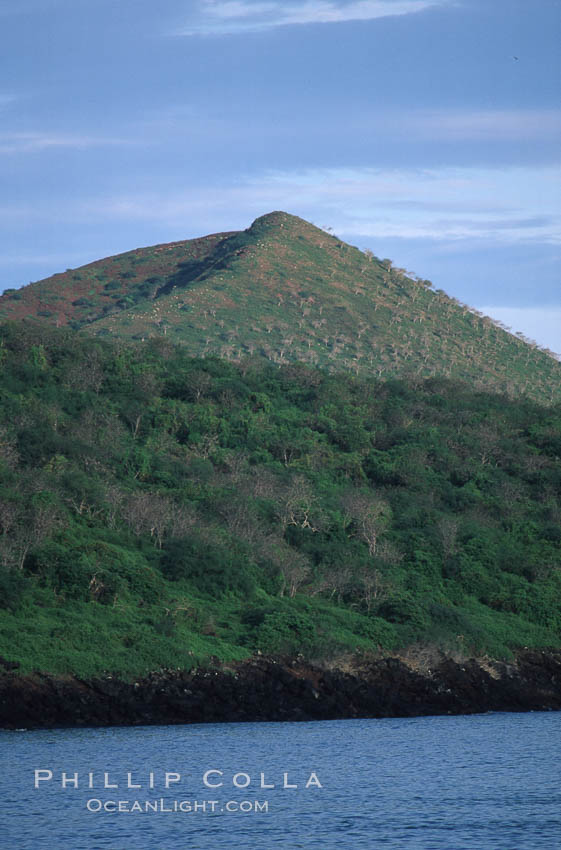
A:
(286, 291)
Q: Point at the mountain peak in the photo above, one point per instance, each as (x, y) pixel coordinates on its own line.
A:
(278, 219)
(275, 218)
(284, 290)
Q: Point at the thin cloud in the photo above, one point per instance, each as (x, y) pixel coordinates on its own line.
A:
(228, 17)
(23, 7)
(34, 142)
(508, 206)
(485, 125)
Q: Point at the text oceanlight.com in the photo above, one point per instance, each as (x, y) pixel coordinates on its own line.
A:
(190, 807)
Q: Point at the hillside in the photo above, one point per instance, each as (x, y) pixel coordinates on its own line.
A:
(285, 291)
(158, 510)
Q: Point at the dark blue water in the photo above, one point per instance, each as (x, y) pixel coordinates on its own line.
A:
(438, 783)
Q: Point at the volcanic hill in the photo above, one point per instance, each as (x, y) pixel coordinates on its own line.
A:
(285, 290)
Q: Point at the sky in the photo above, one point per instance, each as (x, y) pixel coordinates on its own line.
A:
(427, 131)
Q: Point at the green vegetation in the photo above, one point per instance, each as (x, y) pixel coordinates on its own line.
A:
(158, 510)
(285, 291)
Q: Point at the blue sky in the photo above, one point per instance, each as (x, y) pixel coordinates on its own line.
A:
(426, 130)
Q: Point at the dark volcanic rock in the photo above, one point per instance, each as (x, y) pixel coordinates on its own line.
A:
(269, 689)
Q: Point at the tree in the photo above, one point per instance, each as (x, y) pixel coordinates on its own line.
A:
(25, 525)
(296, 506)
(448, 533)
(293, 566)
(368, 514)
(373, 587)
(8, 451)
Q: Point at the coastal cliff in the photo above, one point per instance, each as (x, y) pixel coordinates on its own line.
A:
(266, 689)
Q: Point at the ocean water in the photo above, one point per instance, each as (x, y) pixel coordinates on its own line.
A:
(479, 782)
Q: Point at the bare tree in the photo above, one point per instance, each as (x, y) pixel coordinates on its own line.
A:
(369, 515)
(448, 533)
(292, 565)
(373, 586)
(198, 384)
(296, 506)
(205, 447)
(242, 520)
(336, 581)
(8, 452)
(21, 530)
(156, 515)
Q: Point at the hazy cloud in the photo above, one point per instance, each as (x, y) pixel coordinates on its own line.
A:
(510, 206)
(23, 7)
(225, 17)
(387, 136)
(36, 142)
(481, 126)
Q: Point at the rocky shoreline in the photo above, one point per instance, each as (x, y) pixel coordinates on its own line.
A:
(266, 689)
